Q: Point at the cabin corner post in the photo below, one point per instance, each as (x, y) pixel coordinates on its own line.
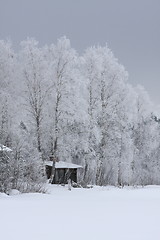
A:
(53, 159)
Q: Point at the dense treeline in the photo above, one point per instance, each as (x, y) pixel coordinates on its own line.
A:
(78, 108)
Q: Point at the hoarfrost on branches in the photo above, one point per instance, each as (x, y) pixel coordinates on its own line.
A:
(81, 109)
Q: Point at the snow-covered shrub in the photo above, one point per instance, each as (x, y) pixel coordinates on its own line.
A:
(5, 173)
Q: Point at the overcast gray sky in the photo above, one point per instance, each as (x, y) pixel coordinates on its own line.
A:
(130, 27)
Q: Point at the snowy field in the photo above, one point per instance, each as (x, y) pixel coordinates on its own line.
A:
(104, 213)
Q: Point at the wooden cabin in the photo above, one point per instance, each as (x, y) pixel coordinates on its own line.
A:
(63, 171)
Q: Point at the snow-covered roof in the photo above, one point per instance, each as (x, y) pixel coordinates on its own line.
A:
(4, 148)
(62, 164)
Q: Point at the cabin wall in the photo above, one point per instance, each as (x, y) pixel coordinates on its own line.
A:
(48, 171)
(62, 175)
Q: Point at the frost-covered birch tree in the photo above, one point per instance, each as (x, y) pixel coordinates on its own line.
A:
(34, 73)
(79, 108)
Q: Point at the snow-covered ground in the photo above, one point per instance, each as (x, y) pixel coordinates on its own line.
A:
(105, 213)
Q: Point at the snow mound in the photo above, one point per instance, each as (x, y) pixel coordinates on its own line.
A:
(13, 192)
(4, 148)
(3, 195)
